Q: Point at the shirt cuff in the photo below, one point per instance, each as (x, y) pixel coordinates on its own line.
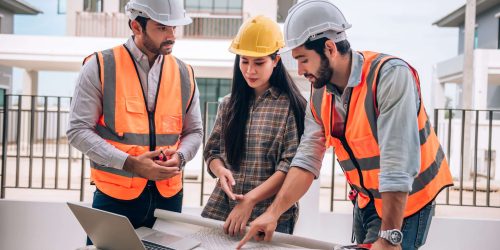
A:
(304, 165)
(118, 160)
(395, 181)
(283, 166)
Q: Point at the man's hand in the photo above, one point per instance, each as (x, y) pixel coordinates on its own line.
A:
(172, 159)
(144, 166)
(382, 244)
(237, 220)
(262, 228)
(226, 181)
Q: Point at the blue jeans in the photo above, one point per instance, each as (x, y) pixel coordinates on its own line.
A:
(139, 211)
(367, 223)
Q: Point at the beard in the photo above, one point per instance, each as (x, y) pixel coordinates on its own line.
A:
(324, 74)
(150, 46)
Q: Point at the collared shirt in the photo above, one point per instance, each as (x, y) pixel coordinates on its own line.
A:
(86, 108)
(271, 142)
(397, 126)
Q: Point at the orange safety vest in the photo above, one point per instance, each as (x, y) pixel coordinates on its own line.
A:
(127, 124)
(358, 151)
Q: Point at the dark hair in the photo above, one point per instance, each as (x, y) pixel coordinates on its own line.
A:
(239, 105)
(141, 20)
(343, 47)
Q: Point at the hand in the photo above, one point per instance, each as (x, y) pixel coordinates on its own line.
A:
(144, 166)
(172, 160)
(382, 244)
(266, 223)
(226, 181)
(236, 222)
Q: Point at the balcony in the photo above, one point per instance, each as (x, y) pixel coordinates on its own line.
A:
(204, 26)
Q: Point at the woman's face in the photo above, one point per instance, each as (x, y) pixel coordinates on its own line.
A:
(257, 71)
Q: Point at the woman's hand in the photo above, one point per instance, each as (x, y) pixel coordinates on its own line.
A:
(237, 220)
(226, 181)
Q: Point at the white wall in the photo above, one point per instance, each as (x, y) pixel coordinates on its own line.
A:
(38, 225)
(267, 8)
(72, 6)
(45, 225)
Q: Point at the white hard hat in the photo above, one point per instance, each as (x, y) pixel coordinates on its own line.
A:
(166, 12)
(312, 20)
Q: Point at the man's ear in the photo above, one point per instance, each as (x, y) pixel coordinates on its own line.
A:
(330, 48)
(136, 27)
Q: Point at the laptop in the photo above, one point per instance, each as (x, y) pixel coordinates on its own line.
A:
(109, 231)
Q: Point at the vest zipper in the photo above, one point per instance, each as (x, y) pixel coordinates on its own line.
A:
(346, 145)
(151, 114)
(152, 132)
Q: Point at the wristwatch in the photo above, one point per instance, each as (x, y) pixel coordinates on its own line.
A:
(183, 160)
(394, 236)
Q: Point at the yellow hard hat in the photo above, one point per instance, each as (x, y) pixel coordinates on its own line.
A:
(258, 36)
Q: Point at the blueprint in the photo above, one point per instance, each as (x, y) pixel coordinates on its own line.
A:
(213, 238)
(211, 234)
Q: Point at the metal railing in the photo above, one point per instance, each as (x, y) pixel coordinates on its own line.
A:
(475, 181)
(35, 151)
(212, 26)
(106, 24)
(102, 24)
(36, 154)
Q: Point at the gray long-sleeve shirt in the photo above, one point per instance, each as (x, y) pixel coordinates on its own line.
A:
(86, 108)
(397, 126)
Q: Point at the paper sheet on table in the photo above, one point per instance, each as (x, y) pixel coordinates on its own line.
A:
(210, 233)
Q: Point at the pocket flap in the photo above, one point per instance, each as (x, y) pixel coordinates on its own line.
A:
(365, 147)
(135, 104)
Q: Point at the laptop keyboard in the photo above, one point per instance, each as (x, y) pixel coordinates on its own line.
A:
(153, 246)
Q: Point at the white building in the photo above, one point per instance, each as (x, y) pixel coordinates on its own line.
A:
(486, 86)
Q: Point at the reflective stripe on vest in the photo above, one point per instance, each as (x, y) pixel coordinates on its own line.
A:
(361, 140)
(125, 121)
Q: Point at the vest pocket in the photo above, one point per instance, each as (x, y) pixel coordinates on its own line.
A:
(171, 124)
(134, 104)
(365, 147)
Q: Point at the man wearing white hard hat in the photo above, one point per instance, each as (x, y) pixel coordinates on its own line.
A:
(368, 106)
(136, 115)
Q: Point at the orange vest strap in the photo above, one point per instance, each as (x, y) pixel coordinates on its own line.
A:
(428, 175)
(371, 163)
(135, 139)
(316, 100)
(111, 170)
(425, 132)
(109, 88)
(186, 85)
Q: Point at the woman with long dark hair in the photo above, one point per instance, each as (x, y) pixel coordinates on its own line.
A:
(256, 133)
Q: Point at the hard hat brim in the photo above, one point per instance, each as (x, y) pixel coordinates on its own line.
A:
(249, 53)
(178, 22)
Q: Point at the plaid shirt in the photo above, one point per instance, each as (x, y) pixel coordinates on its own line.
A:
(271, 142)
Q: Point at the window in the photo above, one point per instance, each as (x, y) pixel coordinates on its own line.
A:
(212, 90)
(2, 93)
(476, 38)
(283, 7)
(214, 6)
(122, 5)
(61, 7)
(92, 5)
